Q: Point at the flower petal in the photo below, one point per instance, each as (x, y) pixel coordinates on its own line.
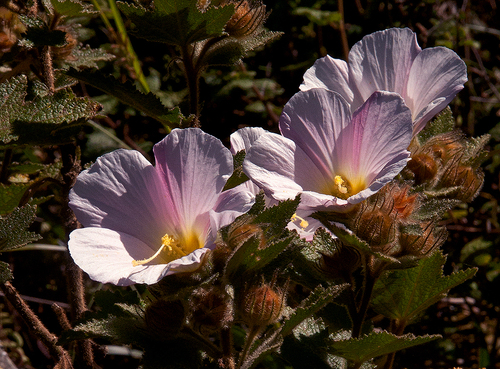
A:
(244, 138)
(195, 167)
(230, 205)
(122, 191)
(382, 61)
(331, 74)
(436, 76)
(107, 257)
(314, 119)
(381, 130)
(281, 168)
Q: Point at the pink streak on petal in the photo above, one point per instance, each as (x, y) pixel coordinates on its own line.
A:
(380, 130)
(314, 119)
(195, 167)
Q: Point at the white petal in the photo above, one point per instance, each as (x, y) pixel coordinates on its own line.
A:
(122, 191)
(381, 130)
(331, 74)
(107, 257)
(314, 119)
(230, 205)
(382, 61)
(195, 167)
(436, 76)
(244, 138)
(282, 169)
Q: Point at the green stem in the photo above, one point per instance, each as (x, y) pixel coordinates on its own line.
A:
(254, 331)
(398, 329)
(128, 45)
(359, 319)
(193, 78)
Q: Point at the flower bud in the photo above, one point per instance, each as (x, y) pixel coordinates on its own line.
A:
(164, 318)
(397, 200)
(211, 310)
(469, 179)
(375, 227)
(243, 233)
(262, 305)
(424, 167)
(248, 17)
(341, 262)
(424, 244)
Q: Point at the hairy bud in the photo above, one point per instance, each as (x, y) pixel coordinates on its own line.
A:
(248, 17)
(375, 227)
(469, 179)
(420, 245)
(424, 168)
(341, 262)
(211, 310)
(262, 305)
(243, 233)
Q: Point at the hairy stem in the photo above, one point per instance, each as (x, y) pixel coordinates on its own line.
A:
(34, 324)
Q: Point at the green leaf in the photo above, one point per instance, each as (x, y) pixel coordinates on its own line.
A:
(434, 207)
(72, 8)
(177, 22)
(474, 247)
(444, 122)
(315, 301)
(10, 195)
(85, 57)
(149, 104)
(40, 121)
(13, 92)
(359, 350)
(238, 177)
(39, 34)
(5, 272)
(14, 228)
(404, 294)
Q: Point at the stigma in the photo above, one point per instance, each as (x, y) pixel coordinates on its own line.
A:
(303, 223)
(340, 183)
(169, 245)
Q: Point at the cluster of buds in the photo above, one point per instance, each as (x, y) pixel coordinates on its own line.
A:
(387, 222)
(10, 29)
(447, 163)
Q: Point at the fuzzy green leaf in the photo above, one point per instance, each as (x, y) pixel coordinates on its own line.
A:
(85, 57)
(13, 93)
(238, 177)
(404, 294)
(149, 104)
(434, 207)
(316, 300)
(177, 22)
(10, 195)
(72, 8)
(444, 122)
(359, 350)
(5, 272)
(14, 228)
(39, 34)
(275, 218)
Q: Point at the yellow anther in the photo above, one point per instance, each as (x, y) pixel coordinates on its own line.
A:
(303, 223)
(339, 182)
(168, 243)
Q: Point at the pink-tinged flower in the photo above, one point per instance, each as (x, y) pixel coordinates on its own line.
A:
(392, 60)
(331, 158)
(144, 222)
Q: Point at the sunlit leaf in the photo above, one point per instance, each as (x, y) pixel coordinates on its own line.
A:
(14, 228)
(404, 294)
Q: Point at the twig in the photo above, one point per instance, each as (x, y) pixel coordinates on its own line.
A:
(34, 324)
(343, 34)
